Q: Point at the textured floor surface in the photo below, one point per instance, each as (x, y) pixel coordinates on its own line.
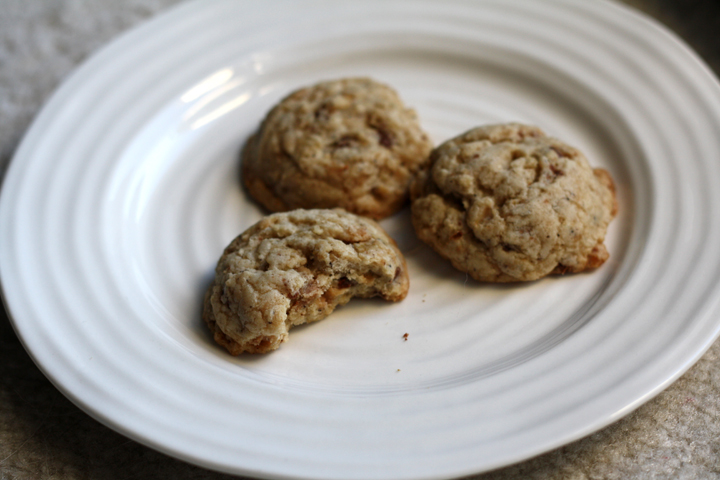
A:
(44, 436)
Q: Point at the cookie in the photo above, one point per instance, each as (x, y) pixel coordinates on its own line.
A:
(507, 203)
(297, 267)
(347, 143)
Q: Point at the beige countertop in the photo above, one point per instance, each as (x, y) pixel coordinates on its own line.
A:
(44, 436)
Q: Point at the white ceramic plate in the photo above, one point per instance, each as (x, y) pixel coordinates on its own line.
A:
(126, 189)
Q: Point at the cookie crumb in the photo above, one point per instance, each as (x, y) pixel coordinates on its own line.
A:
(405, 337)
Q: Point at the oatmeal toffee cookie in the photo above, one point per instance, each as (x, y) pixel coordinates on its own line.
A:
(347, 143)
(294, 268)
(506, 203)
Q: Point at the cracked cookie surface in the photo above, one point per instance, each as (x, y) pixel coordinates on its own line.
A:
(348, 143)
(297, 267)
(507, 203)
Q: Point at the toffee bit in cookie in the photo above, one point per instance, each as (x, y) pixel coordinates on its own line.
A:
(507, 203)
(385, 139)
(297, 267)
(348, 143)
(343, 282)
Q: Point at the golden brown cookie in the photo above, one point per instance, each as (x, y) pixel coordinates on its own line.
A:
(506, 203)
(296, 267)
(347, 143)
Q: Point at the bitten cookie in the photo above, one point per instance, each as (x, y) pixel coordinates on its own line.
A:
(296, 267)
(347, 143)
(506, 203)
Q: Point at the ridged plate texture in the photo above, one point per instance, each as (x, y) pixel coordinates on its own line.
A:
(126, 189)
